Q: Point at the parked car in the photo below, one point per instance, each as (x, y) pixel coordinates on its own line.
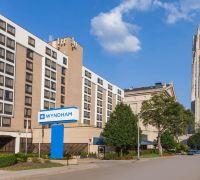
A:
(193, 152)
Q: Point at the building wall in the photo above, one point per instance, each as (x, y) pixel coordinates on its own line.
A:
(134, 98)
(195, 95)
(57, 79)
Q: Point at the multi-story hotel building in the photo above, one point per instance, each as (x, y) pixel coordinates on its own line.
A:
(36, 75)
(135, 96)
(195, 105)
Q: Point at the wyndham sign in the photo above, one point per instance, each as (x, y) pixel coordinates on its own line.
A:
(59, 115)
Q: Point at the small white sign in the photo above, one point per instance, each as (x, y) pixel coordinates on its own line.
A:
(60, 115)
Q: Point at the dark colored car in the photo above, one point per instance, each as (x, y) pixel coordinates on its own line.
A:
(193, 152)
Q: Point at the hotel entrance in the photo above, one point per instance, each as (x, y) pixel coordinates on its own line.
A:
(7, 144)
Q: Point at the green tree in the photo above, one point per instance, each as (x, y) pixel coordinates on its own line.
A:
(167, 140)
(194, 141)
(120, 131)
(165, 114)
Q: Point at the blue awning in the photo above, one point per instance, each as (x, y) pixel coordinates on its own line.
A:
(146, 142)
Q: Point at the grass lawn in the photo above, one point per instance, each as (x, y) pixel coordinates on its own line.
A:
(31, 165)
(153, 155)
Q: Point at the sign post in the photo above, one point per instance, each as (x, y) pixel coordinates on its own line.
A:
(57, 117)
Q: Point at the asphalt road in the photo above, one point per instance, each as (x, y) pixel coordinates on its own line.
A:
(173, 168)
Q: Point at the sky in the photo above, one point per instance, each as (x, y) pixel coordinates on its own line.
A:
(131, 43)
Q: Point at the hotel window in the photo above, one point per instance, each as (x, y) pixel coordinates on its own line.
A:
(88, 74)
(27, 112)
(47, 83)
(62, 89)
(10, 56)
(29, 54)
(1, 80)
(53, 65)
(28, 101)
(8, 109)
(100, 81)
(52, 105)
(47, 62)
(63, 80)
(10, 29)
(86, 114)
(100, 96)
(47, 72)
(100, 89)
(1, 93)
(31, 41)
(29, 77)
(119, 91)
(54, 54)
(9, 69)
(6, 121)
(8, 82)
(2, 25)
(109, 94)
(46, 94)
(48, 51)
(99, 124)
(46, 104)
(29, 65)
(109, 87)
(53, 75)
(2, 39)
(62, 99)
(1, 66)
(109, 100)
(28, 89)
(2, 53)
(8, 95)
(1, 107)
(63, 70)
(87, 82)
(64, 60)
(53, 85)
(86, 121)
(53, 96)
(25, 124)
(10, 43)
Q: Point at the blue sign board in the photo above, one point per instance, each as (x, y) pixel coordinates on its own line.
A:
(58, 115)
(57, 146)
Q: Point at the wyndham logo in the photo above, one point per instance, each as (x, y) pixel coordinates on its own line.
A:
(55, 115)
(42, 116)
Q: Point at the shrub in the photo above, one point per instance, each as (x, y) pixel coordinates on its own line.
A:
(7, 160)
(181, 147)
(84, 154)
(111, 156)
(92, 155)
(21, 157)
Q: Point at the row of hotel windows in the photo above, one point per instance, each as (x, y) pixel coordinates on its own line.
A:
(10, 29)
(100, 81)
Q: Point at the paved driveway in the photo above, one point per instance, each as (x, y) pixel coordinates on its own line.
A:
(173, 168)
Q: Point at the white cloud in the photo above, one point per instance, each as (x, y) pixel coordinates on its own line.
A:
(179, 10)
(118, 36)
(114, 34)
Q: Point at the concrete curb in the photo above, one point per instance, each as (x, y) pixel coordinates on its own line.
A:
(9, 175)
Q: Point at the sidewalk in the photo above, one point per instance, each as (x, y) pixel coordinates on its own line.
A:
(9, 175)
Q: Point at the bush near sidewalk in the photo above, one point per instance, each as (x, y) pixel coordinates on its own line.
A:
(7, 160)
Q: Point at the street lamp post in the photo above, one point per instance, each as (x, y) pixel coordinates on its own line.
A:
(138, 145)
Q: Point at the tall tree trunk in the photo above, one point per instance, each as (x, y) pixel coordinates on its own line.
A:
(159, 145)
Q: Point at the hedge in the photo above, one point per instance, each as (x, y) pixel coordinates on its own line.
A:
(7, 160)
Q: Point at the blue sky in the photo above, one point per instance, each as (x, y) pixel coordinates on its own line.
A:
(132, 43)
